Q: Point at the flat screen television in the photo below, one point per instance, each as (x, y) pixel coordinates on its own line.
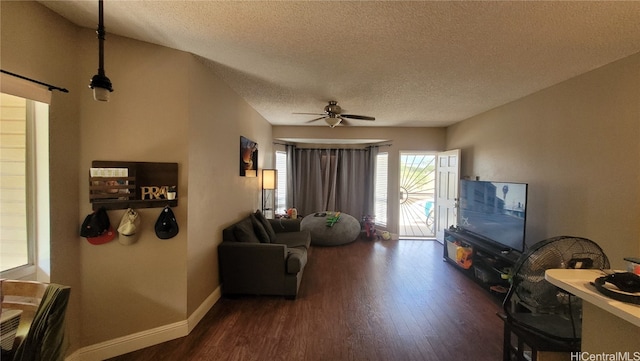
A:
(494, 211)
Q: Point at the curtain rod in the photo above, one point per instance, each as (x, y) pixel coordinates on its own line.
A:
(368, 146)
(333, 148)
(381, 145)
(51, 87)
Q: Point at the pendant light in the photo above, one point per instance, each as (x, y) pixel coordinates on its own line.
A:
(100, 84)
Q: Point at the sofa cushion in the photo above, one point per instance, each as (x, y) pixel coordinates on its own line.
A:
(281, 225)
(296, 259)
(267, 226)
(258, 228)
(244, 231)
(295, 239)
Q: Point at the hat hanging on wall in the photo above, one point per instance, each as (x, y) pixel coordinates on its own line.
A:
(129, 228)
(166, 226)
(97, 228)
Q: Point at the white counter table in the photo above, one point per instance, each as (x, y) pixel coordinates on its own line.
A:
(608, 326)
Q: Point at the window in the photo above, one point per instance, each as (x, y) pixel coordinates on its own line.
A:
(13, 176)
(380, 195)
(22, 194)
(281, 192)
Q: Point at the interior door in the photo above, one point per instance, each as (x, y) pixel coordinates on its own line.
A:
(448, 174)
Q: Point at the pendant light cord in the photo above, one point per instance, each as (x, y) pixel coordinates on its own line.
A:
(101, 36)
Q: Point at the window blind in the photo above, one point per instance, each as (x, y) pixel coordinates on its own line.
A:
(380, 196)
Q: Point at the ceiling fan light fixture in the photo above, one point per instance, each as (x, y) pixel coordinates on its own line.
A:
(332, 108)
(333, 121)
(333, 115)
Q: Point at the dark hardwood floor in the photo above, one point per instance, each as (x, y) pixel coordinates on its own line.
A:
(383, 300)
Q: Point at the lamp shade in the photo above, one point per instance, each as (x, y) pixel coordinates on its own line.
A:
(101, 94)
(269, 178)
(101, 86)
(333, 121)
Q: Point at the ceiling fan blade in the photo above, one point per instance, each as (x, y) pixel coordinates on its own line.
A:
(316, 119)
(344, 121)
(310, 113)
(360, 117)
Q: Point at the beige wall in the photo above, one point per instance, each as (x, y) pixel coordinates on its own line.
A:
(147, 119)
(167, 107)
(46, 53)
(577, 144)
(401, 139)
(219, 196)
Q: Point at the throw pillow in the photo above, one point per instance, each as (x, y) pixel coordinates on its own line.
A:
(259, 230)
(267, 226)
(244, 232)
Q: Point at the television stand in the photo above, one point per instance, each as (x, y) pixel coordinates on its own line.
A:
(489, 263)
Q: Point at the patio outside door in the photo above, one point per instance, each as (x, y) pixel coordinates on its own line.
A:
(417, 194)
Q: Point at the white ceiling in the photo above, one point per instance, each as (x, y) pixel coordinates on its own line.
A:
(419, 63)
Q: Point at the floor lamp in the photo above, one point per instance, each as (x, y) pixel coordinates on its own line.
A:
(269, 185)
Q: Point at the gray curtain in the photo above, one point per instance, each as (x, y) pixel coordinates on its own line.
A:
(370, 184)
(332, 180)
(291, 180)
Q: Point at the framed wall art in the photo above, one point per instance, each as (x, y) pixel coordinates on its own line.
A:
(248, 157)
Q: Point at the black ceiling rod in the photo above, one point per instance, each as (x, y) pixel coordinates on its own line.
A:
(51, 87)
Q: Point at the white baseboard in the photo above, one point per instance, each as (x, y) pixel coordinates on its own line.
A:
(201, 311)
(133, 342)
(147, 338)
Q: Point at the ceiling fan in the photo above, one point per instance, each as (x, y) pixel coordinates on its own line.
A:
(333, 115)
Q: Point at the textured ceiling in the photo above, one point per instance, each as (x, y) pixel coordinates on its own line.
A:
(406, 63)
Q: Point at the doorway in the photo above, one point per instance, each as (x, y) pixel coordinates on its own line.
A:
(417, 194)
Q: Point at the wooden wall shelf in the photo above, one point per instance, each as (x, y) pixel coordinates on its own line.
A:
(122, 192)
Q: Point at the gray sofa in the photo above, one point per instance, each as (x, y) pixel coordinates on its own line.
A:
(260, 256)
